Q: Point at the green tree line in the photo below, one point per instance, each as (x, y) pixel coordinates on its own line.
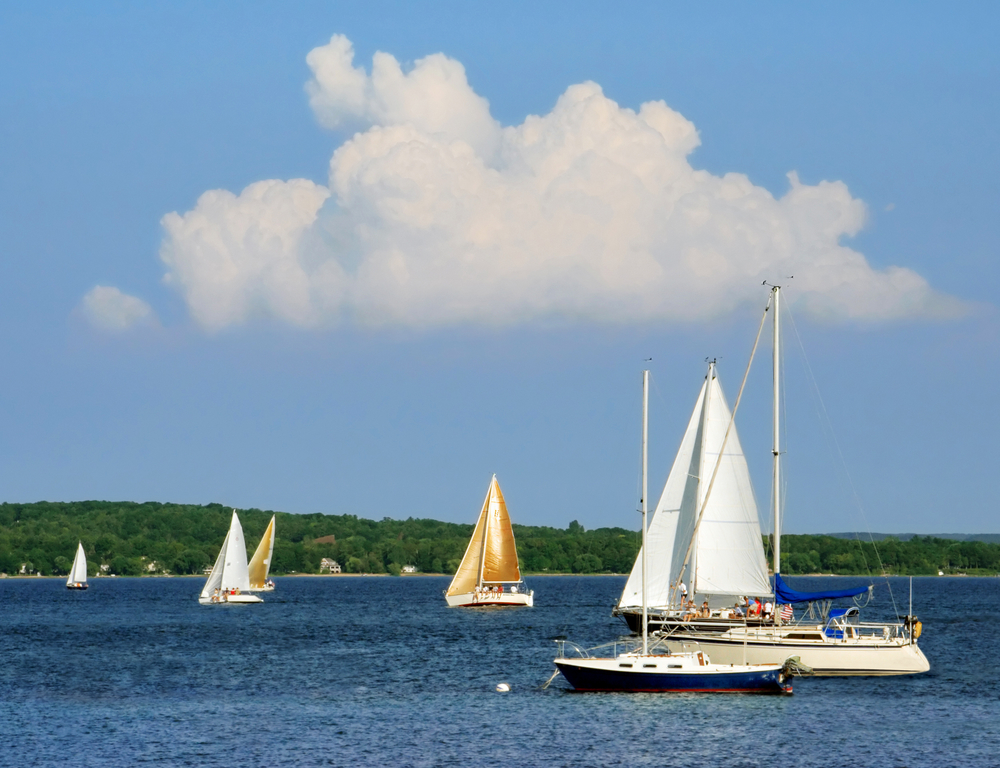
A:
(133, 539)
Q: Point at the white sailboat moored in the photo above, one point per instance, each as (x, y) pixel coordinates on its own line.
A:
(649, 664)
(705, 532)
(260, 563)
(229, 581)
(78, 573)
(489, 573)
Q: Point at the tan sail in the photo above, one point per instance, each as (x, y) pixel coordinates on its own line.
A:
(260, 565)
(491, 556)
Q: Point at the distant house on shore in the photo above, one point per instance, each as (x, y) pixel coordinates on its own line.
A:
(326, 565)
(408, 569)
(207, 570)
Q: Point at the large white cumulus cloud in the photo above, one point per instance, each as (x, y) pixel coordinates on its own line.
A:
(436, 215)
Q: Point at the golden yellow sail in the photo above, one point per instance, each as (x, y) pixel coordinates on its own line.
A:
(491, 557)
(260, 565)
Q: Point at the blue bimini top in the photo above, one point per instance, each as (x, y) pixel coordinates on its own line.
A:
(785, 594)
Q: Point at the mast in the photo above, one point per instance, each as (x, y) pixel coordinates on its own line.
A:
(776, 449)
(486, 529)
(645, 406)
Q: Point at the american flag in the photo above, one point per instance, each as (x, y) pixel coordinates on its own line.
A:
(786, 613)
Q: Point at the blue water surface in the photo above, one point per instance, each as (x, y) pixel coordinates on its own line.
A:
(378, 671)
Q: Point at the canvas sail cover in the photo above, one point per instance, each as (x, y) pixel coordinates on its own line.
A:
(491, 556)
(78, 573)
(230, 569)
(730, 555)
(672, 522)
(260, 563)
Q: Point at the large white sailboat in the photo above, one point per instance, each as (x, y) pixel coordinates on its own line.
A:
(705, 531)
(650, 665)
(260, 563)
(229, 581)
(489, 573)
(78, 573)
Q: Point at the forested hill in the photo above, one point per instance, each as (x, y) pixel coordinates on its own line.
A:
(135, 539)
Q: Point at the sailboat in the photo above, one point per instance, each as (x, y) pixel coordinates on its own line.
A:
(489, 573)
(260, 563)
(705, 530)
(229, 581)
(78, 573)
(651, 666)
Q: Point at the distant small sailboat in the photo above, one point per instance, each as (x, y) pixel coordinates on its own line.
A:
(489, 573)
(260, 563)
(78, 573)
(229, 581)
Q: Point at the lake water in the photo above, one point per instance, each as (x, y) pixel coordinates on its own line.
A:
(378, 671)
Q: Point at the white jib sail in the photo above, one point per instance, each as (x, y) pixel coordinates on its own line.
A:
(730, 554)
(78, 573)
(230, 569)
(672, 523)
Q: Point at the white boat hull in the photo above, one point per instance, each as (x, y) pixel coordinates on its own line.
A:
(482, 599)
(240, 599)
(862, 656)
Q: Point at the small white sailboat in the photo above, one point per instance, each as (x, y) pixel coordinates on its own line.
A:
(489, 573)
(260, 563)
(229, 581)
(650, 665)
(705, 530)
(78, 573)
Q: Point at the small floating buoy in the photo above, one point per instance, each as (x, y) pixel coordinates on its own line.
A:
(502, 687)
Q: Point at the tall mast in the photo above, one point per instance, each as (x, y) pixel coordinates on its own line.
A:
(776, 450)
(645, 405)
(486, 528)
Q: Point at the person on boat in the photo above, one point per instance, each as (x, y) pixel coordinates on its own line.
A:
(706, 612)
(754, 608)
(684, 593)
(690, 611)
(768, 610)
(738, 607)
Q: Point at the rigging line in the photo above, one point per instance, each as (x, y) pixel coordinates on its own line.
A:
(843, 463)
(722, 449)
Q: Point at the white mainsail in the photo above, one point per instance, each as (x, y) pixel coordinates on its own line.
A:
(728, 555)
(78, 573)
(230, 569)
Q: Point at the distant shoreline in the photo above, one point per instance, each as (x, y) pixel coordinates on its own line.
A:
(25, 576)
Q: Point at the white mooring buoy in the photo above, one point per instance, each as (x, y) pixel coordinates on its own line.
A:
(502, 687)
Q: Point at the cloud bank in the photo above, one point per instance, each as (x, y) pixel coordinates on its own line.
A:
(434, 215)
(108, 309)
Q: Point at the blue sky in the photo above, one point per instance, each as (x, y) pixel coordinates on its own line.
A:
(347, 389)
